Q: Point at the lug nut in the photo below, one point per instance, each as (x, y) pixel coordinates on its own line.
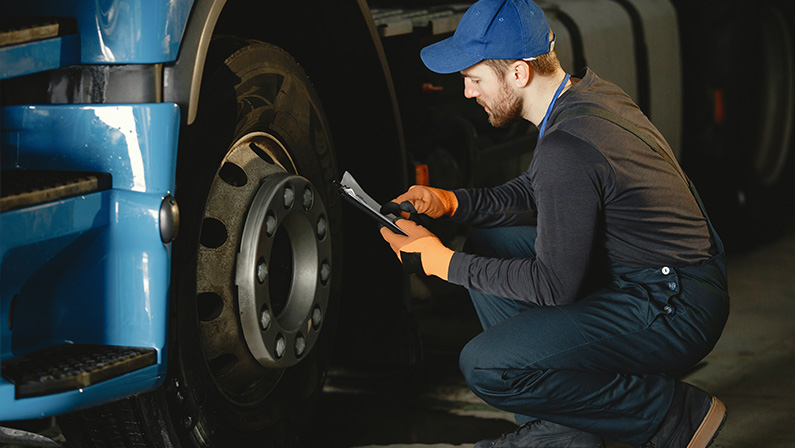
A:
(289, 197)
(321, 227)
(317, 317)
(309, 198)
(325, 272)
(265, 319)
(281, 346)
(270, 225)
(300, 345)
(262, 270)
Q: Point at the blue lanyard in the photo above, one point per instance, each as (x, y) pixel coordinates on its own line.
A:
(551, 105)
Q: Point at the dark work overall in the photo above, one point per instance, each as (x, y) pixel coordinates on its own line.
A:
(601, 364)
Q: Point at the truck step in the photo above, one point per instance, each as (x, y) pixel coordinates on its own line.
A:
(19, 189)
(18, 437)
(33, 45)
(15, 30)
(72, 366)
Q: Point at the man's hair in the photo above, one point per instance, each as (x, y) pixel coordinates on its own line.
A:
(544, 65)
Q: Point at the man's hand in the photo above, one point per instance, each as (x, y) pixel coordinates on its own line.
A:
(420, 251)
(433, 202)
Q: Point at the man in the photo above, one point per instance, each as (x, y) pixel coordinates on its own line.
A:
(620, 282)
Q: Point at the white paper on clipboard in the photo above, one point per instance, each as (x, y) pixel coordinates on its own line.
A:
(351, 190)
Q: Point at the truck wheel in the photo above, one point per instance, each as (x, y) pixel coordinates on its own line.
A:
(741, 135)
(256, 266)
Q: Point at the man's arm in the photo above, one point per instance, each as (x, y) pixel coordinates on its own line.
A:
(505, 205)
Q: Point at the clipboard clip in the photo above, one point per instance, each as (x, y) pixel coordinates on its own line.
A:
(354, 194)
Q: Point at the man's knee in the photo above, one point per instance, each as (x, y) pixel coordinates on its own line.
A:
(477, 361)
(467, 360)
(488, 376)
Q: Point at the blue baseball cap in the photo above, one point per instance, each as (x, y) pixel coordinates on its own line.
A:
(492, 29)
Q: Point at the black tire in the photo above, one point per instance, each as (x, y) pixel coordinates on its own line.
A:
(740, 114)
(260, 237)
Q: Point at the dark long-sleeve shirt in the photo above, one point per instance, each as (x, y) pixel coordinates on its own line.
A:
(600, 195)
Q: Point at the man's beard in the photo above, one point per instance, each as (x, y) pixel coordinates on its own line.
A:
(507, 109)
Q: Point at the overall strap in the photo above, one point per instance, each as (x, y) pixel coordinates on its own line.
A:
(647, 139)
(629, 127)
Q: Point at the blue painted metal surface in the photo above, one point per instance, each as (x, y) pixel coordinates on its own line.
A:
(90, 269)
(117, 31)
(39, 56)
(135, 143)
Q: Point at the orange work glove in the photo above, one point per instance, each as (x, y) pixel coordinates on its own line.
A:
(430, 201)
(420, 251)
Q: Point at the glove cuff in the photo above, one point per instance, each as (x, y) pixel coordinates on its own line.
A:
(437, 261)
(426, 255)
(448, 199)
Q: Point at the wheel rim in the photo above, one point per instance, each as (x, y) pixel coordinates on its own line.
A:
(263, 268)
(773, 131)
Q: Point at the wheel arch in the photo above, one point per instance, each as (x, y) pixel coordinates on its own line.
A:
(338, 46)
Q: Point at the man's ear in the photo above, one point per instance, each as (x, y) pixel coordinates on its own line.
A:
(521, 73)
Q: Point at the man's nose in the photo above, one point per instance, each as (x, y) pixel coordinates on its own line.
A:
(469, 90)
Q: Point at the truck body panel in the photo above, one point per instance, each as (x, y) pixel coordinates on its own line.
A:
(89, 269)
(118, 32)
(39, 56)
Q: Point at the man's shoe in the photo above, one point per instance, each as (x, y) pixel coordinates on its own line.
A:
(693, 421)
(543, 434)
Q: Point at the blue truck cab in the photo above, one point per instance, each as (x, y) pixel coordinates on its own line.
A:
(88, 214)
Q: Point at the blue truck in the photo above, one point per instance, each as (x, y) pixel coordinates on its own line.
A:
(171, 241)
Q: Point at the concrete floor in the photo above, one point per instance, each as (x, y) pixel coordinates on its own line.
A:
(750, 370)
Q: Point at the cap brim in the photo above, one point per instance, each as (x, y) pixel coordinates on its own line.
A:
(445, 57)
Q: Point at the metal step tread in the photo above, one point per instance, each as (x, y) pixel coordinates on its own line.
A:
(19, 437)
(25, 188)
(15, 30)
(72, 366)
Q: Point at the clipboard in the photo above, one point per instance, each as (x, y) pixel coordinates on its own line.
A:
(350, 190)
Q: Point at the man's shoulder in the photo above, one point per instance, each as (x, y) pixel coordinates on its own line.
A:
(583, 113)
(563, 159)
(562, 147)
(588, 83)
(579, 129)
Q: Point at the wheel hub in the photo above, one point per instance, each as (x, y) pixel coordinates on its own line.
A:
(283, 271)
(263, 268)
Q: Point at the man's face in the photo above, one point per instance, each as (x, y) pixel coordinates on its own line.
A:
(494, 93)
